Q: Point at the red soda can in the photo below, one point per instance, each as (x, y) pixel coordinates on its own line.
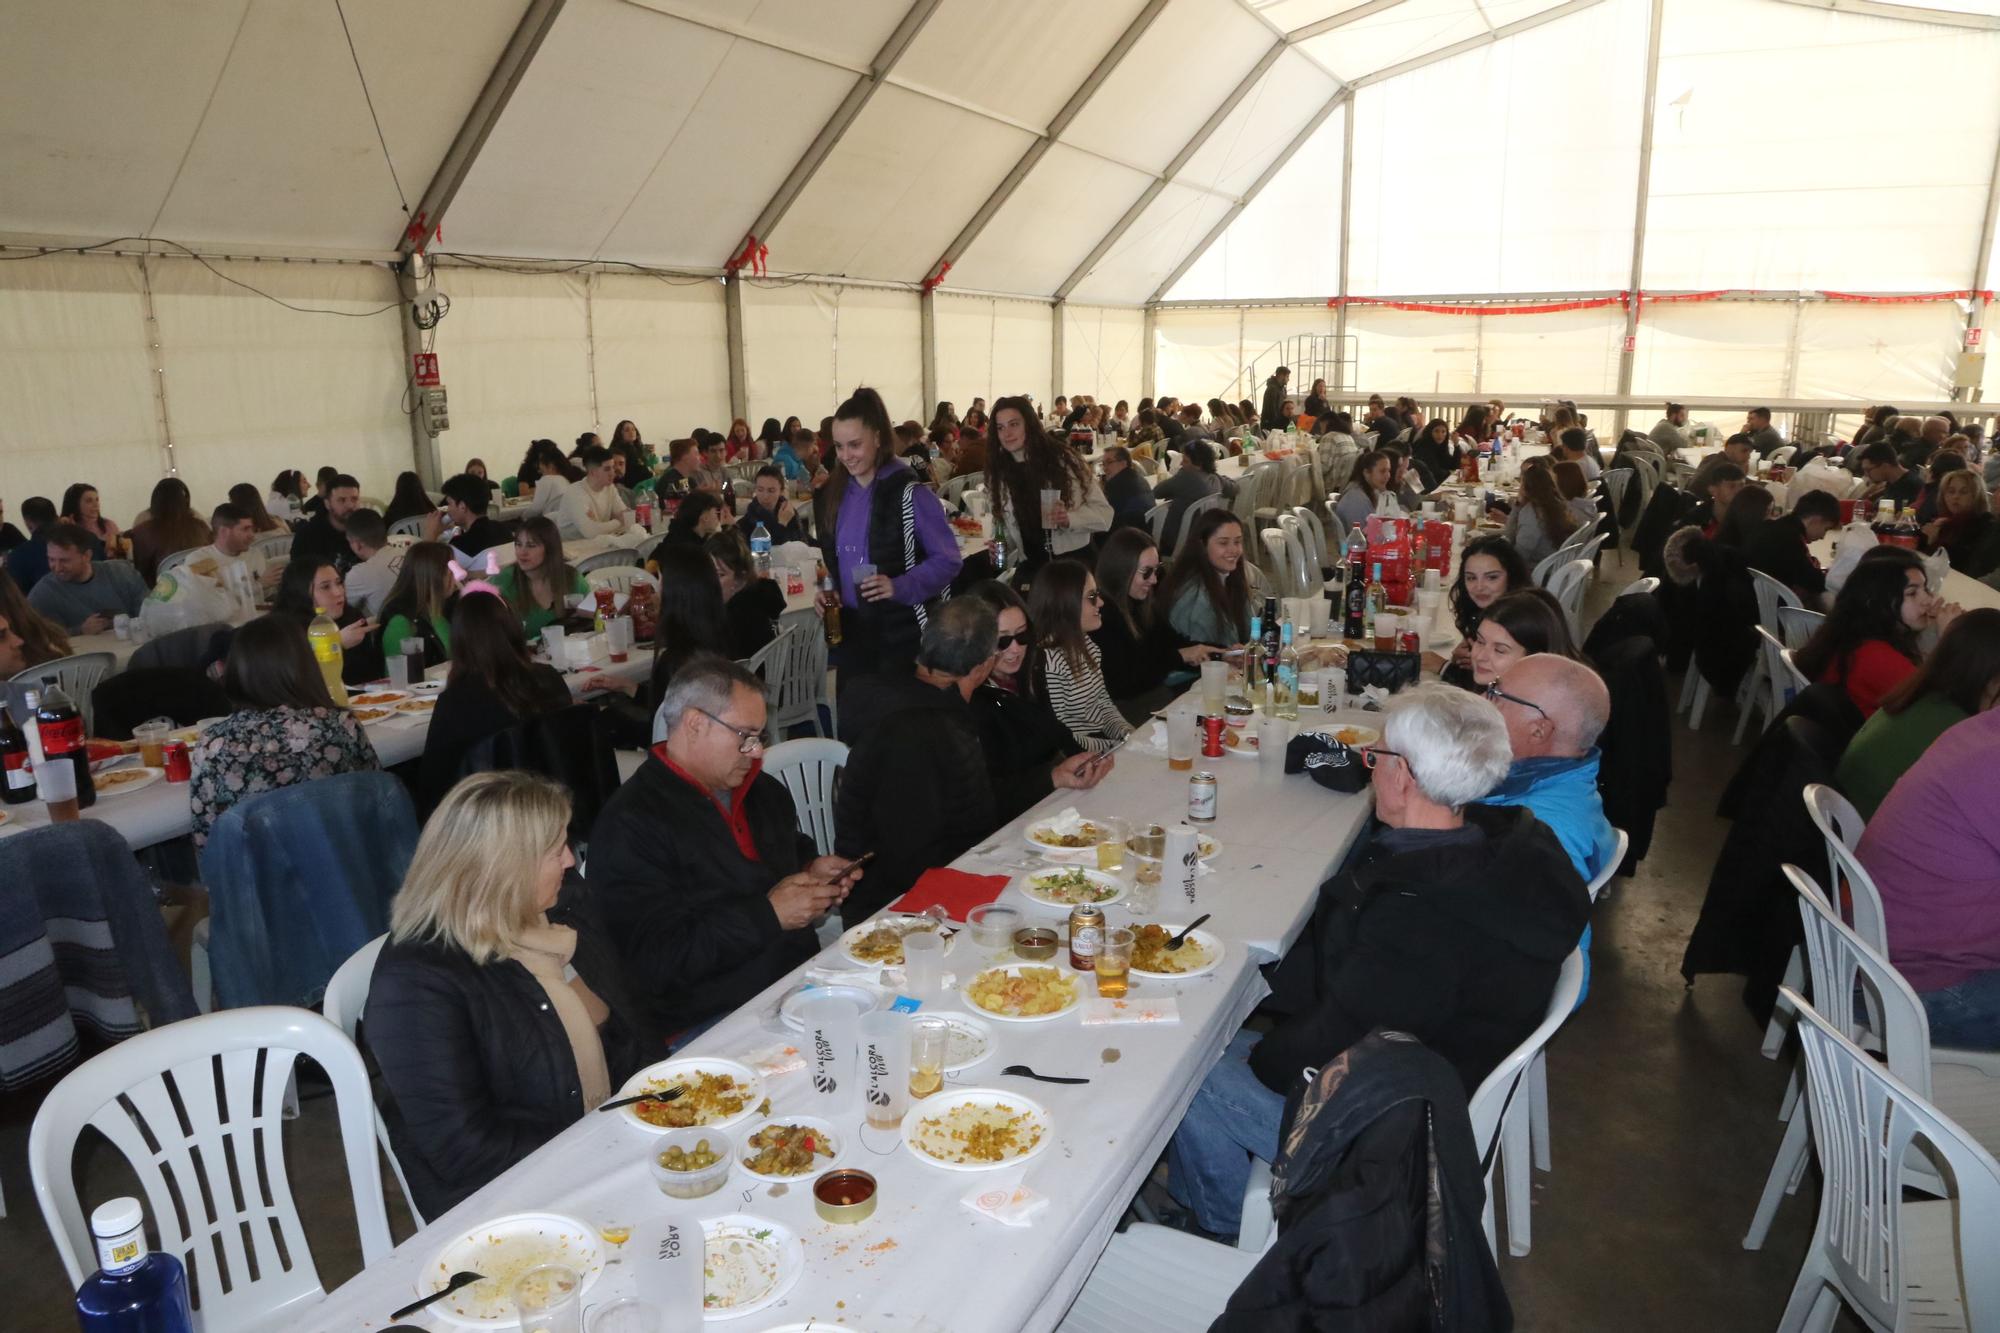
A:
(175, 761)
(1211, 735)
(1408, 641)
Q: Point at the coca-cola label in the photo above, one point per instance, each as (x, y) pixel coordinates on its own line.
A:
(61, 736)
(20, 775)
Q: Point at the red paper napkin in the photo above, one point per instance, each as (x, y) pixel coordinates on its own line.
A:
(955, 890)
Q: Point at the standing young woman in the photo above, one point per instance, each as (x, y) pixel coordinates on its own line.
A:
(1488, 569)
(419, 606)
(540, 582)
(1027, 463)
(80, 506)
(1066, 607)
(1137, 648)
(1519, 625)
(310, 586)
(1208, 593)
(874, 516)
(1868, 644)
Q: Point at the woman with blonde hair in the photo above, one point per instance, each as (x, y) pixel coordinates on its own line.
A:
(1964, 528)
(486, 1050)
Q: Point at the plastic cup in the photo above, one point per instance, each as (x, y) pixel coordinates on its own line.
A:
(930, 1042)
(1387, 625)
(923, 962)
(627, 1316)
(399, 671)
(1050, 499)
(552, 640)
(1214, 686)
(55, 782)
(550, 1299)
(121, 625)
(618, 635)
(831, 1030)
(152, 738)
(885, 1068)
(1272, 741)
(1111, 835)
(1113, 964)
(1183, 739)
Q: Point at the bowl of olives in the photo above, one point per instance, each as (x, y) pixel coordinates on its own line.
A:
(688, 1163)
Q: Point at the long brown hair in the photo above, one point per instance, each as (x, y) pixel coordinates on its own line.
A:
(1231, 596)
(271, 665)
(1962, 668)
(1003, 598)
(865, 406)
(1055, 608)
(1365, 464)
(170, 513)
(424, 587)
(42, 640)
(1046, 464)
(1539, 493)
(1117, 564)
(555, 571)
(251, 501)
(487, 643)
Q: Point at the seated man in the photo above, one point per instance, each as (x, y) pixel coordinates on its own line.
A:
(235, 534)
(1782, 546)
(81, 594)
(1125, 487)
(369, 582)
(466, 500)
(593, 508)
(1452, 925)
(697, 866)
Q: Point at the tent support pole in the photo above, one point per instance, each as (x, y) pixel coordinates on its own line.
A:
(1982, 265)
(732, 310)
(1059, 313)
(1149, 339)
(1346, 241)
(927, 338)
(1628, 350)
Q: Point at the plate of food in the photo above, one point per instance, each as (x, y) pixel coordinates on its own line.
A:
(1206, 847)
(970, 1042)
(1070, 885)
(790, 1147)
(878, 941)
(116, 780)
(423, 687)
(1197, 956)
(1060, 836)
(417, 705)
(977, 1129)
(1023, 993)
(377, 698)
(1355, 736)
(1240, 741)
(366, 715)
(749, 1263)
(504, 1249)
(719, 1093)
(862, 998)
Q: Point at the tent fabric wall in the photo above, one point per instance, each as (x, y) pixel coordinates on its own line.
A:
(990, 347)
(515, 358)
(807, 346)
(1103, 352)
(1199, 353)
(659, 353)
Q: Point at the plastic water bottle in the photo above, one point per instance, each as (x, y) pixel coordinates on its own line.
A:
(325, 638)
(760, 550)
(133, 1290)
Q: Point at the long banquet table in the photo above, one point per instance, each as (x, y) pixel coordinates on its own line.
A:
(923, 1261)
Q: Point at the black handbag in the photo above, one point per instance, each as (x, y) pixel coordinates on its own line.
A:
(1331, 763)
(1388, 671)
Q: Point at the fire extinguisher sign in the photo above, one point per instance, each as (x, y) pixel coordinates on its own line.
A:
(1974, 336)
(425, 365)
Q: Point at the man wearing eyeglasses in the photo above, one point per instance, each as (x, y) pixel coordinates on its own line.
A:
(697, 865)
(1554, 709)
(1452, 925)
(1125, 488)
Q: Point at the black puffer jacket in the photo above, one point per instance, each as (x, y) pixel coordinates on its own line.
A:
(1456, 940)
(1023, 741)
(689, 913)
(915, 791)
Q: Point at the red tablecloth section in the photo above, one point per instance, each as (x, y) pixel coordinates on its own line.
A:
(957, 891)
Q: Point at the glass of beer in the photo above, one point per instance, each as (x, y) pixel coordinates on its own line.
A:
(930, 1040)
(1114, 963)
(152, 738)
(1183, 738)
(1111, 835)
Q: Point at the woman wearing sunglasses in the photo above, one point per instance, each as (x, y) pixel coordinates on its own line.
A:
(1138, 650)
(1030, 751)
(1065, 607)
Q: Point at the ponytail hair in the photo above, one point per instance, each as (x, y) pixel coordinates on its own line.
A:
(865, 406)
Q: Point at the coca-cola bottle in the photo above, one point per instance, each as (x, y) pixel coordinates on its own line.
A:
(60, 724)
(17, 785)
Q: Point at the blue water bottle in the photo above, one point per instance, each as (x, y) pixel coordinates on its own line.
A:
(133, 1290)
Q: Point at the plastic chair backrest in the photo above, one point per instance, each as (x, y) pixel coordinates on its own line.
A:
(217, 1189)
(1642, 587)
(1620, 845)
(1566, 585)
(1893, 1019)
(807, 768)
(800, 682)
(273, 546)
(413, 526)
(1588, 551)
(1796, 625)
(1156, 521)
(1198, 508)
(623, 555)
(1316, 548)
(78, 675)
(346, 1000)
(1546, 567)
(1616, 482)
(1841, 824)
(1783, 454)
(1863, 1118)
(1777, 673)
(1771, 594)
(1490, 1100)
(620, 578)
(171, 562)
(1278, 560)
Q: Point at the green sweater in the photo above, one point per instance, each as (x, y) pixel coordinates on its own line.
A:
(399, 628)
(538, 618)
(1886, 747)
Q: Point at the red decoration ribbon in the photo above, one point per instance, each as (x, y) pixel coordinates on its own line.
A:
(1536, 308)
(932, 283)
(754, 255)
(1638, 299)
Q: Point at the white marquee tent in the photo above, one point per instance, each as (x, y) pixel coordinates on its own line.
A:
(207, 203)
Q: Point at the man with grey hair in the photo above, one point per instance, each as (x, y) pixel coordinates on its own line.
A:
(697, 868)
(1452, 925)
(918, 789)
(1125, 488)
(1554, 713)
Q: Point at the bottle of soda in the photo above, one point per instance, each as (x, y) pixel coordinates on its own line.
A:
(60, 724)
(134, 1290)
(1270, 636)
(832, 621)
(17, 787)
(325, 637)
(1355, 624)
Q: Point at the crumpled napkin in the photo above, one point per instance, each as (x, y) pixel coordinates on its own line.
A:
(1374, 698)
(1148, 740)
(1014, 1206)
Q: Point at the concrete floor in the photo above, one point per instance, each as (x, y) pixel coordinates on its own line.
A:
(1664, 1124)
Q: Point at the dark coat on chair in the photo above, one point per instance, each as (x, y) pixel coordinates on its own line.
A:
(122, 702)
(1637, 740)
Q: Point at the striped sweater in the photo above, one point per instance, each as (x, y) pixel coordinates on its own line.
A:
(1081, 702)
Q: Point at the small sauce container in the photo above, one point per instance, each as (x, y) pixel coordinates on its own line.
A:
(846, 1196)
(1037, 944)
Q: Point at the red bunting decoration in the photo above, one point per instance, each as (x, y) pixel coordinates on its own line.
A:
(1536, 308)
(932, 283)
(1640, 298)
(754, 255)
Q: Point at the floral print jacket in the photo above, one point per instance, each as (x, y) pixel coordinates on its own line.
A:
(259, 750)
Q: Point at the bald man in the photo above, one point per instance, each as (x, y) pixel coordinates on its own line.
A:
(1554, 709)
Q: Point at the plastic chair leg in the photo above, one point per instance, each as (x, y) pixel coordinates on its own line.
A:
(1486, 1217)
(1687, 688)
(198, 970)
(1749, 699)
(1786, 1170)
(1700, 700)
(1775, 1031)
(1538, 1109)
(1515, 1158)
(1795, 1087)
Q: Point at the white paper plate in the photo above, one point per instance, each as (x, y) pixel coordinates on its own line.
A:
(744, 1150)
(1209, 944)
(971, 1039)
(753, 1259)
(855, 934)
(1050, 849)
(1015, 970)
(115, 782)
(1363, 735)
(1244, 749)
(659, 1077)
(383, 698)
(932, 1145)
(503, 1249)
(1114, 887)
(423, 687)
(421, 707)
(864, 1001)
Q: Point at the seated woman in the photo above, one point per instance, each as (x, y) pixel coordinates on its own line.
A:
(1209, 592)
(1541, 520)
(1371, 475)
(1964, 529)
(418, 607)
(285, 729)
(494, 684)
(1519, 625)
(247, 498)
(486, 1051)
(751, 605)
(409, 500)
(701, 515)
(692, 619)
(1137, 649)
(1959, 678)
(1744, 517)
(546, 475)
(1434, 453)
(1868, 645)
(42, 640)
(310, 586)
(540, 582)
(1489, 568)
(1575, 490)
(82, 506)
(1065, 607)
(1025, 744)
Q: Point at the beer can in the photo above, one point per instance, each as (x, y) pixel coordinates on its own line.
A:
(1211, 734)
(176, 762)
(1086, 936)
(1201, 798)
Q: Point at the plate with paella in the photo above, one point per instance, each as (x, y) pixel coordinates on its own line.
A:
(1198, 955)
(717, 1094)
(1023, 993)
(878, 941)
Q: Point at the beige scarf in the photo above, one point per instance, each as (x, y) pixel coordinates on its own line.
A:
(545, 950)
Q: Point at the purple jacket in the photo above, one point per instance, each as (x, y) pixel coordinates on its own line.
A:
(932, 574)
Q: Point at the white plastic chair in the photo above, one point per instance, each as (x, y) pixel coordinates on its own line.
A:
(623, 555)
(1642, 587)
(1796, 625)
(346, 1000)
(1156, 523)
(1840, 824)
(620, 578)
(1615, 484)
(413, 526)
(1764, 681)
(1500, 1114)
(1783, 454)
(798, 687)
(78, 674)
(273, 547)
(808, 768)
(169, 563)
(1896, 1264)
(1286, 564)
(217, 1191)
(1567, 587)
(1159, 1279)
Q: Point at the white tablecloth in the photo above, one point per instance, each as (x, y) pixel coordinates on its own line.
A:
(1967, 592)
(923, 1261)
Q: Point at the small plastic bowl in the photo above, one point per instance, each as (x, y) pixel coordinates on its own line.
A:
(846, 1196)
(1149, 842)
(1037, 944)
(691, 1184)
(993, 925)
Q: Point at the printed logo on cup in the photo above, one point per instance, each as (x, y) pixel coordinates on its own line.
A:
(823, 1077)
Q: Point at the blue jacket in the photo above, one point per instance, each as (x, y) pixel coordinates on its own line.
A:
(787, 458)
(1563, 794)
